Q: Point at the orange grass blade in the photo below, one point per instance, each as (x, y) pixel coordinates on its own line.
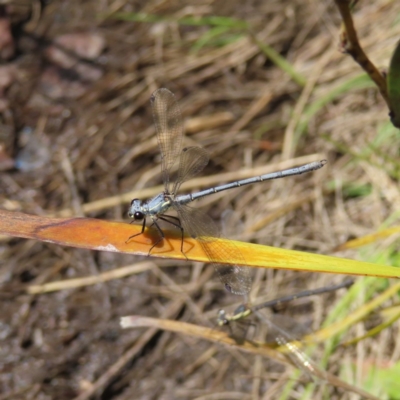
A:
(102, 235)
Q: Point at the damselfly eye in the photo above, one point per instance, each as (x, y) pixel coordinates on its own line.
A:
(138, 216)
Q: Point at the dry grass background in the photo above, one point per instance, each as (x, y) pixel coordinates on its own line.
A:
(87, 130)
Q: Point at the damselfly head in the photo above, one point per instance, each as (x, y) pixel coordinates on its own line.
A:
(222, 318)
(135, 211)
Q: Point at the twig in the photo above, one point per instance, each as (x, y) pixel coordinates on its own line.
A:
(351, 45)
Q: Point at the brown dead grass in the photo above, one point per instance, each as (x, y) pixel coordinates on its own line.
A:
(97, 128)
